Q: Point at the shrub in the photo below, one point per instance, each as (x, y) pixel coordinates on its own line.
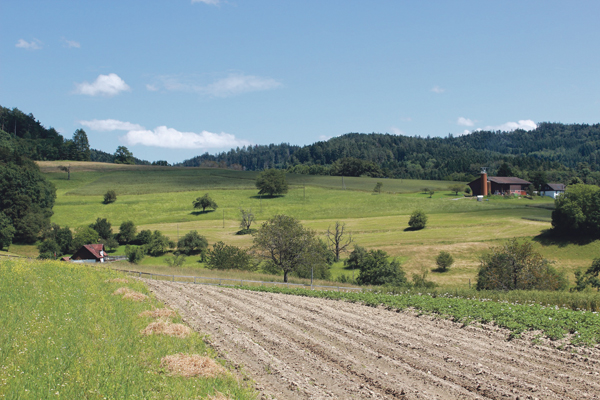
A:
(192, 243)
(515, 266)
(134, 254)
(110, 197)
(224, 256)
(444, 260)
(159, 244)
(176, 260)
(417, 220)
(376, 269)
(7, 231)
(420, 280)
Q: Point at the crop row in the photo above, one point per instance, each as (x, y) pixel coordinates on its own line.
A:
(582, 327)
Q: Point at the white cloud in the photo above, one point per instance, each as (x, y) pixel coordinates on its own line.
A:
(35, 44)
(232, 85)
(107, 85)
(151, 88)
(396, 131)
(465, 121)
(525, 124)
(236, 84)
(173, 139)
(437, 89)
(210, 2)
(72, 43)
(104, 125)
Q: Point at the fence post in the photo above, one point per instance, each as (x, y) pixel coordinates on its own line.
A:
(241, 282)
(140, 274)
(173, 278)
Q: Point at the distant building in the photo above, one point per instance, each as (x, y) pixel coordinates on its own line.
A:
(90, 253)
(552, 190)
(500, 185)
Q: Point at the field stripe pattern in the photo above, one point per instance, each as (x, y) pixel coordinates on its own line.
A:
(298, 347)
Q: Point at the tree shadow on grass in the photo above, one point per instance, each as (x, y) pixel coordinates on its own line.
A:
(549, 238)
(266, 196)
(201, 212)
(440, 270)
(411, 229)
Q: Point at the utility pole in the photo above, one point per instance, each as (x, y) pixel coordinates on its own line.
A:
(343, 185)
(223, 218)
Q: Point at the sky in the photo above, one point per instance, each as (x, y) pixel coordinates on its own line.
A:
(172, 79)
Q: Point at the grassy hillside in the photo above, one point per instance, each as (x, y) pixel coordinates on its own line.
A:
(65, 335)
(161, 198)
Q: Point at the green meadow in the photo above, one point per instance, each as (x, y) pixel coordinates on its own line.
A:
(161, 198)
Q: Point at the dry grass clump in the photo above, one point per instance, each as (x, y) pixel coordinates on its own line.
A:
(164, 327)
(122, 290)
(130, 294)
(158, 313)
(117, 280)
(189, 365)
(135, 296)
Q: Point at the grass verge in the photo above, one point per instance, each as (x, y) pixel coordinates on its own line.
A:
(581, 327)
(65, 335)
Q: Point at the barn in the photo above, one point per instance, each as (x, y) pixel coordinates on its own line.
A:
(89, 253)
(499, 185)
(552, 190)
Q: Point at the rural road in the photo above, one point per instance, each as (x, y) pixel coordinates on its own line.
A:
(305, 348)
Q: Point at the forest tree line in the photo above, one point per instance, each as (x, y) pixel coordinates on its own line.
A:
(561, 151)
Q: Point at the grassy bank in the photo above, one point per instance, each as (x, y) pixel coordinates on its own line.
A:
(64, 335)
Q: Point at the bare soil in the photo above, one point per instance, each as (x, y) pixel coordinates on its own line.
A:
(304, 348)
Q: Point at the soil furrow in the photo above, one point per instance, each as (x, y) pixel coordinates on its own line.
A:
(298, 347)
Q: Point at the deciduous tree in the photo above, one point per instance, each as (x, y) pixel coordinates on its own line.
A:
(418, 220)
(192, 243)
(272, 182)
(284, 242)
(205, 202)
(338, 239)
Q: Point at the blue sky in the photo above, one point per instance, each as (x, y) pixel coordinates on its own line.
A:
(176, 78)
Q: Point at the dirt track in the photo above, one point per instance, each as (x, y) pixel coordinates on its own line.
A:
(297, 347)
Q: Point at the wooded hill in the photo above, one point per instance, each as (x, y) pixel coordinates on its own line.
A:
(562, 151)
(27, 137)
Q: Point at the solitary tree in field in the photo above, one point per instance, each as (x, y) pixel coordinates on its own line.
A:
(456, 187)
(289, 246)
(247, 219)
(338, 239)
(444, 260)
(417, 220)
(205, 202)
(110, 197)
(66, 169)
(431, 193)
(272, 182)
(378, 187)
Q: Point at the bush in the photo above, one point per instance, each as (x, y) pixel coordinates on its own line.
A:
(144, 237)
(159, 244)
(134, 254)
(420, 280)
(176, 260)
(375, 268)
(192, 243)
(111, 243)
(417, 220)
(110, 197)
(49, 249)
(516, 266)
(223, 256)
(444, 260)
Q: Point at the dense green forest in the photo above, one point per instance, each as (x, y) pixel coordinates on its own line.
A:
(559, 151)
(27, 137)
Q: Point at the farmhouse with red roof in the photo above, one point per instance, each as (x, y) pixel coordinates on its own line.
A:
(90, 253)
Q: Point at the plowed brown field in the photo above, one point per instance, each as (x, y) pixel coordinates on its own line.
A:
(297, 347)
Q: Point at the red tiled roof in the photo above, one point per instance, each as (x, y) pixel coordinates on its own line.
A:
(508, 180)
(95, 249)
